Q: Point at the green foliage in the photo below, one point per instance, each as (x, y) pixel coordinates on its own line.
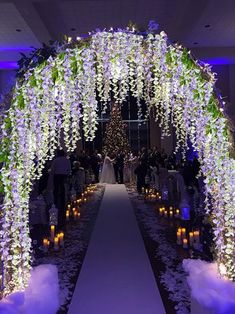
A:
(32, 81)
(74, 66)
(55, 74)
(212, 107)
(20, 101)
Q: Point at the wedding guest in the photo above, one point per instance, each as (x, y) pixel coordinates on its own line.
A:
(118, 167)
(78, 180)
(95, 162)
(140, 172)
(133, 165)
(60, 170)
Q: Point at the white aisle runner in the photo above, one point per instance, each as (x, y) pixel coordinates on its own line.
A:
(116, 275)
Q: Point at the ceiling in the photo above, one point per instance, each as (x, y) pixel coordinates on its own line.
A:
(205, 26)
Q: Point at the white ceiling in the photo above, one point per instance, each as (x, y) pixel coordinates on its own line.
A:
(183, 20)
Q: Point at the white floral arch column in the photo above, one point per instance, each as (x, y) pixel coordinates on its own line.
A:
(55, 95)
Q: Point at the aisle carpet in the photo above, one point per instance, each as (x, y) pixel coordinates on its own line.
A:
(116, 275)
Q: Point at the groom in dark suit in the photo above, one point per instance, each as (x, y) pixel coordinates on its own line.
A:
(118, 167)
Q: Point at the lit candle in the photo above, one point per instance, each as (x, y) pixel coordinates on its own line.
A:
(185, 243)
(183, 232)
(52, 233)
(67, 215)
(171, 213)
(177, 213)
(61, 238)
(196, 236)
(45, 245)
(179, 240)
(85, 199)
(69, 206)
(56, 243)
(165, 213)
(191, 238)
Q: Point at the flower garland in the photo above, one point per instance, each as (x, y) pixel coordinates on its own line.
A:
(53, 97)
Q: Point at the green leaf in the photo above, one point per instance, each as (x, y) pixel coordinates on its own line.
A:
(32, 81)
(7, 122)
(55, 74)
(20, 101)
(74, 66)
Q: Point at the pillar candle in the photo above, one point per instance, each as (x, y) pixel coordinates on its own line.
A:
(179, 240)
(61, 239)
(177, 213)
(52, 233)
(67, 215)
(45, 245)
(56, 243)
(183, 232)
(191, 238)
(196, 236)
(185, 243)
(171, 213)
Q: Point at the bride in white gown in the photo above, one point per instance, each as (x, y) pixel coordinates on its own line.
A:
(107, 174)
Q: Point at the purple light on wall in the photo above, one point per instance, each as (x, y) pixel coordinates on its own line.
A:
(218, 61)
(18, 48)
(8, 65)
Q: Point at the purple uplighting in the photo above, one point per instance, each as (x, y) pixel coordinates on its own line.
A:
(8, 65)
(218, 61)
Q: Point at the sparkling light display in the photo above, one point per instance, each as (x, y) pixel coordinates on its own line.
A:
(53, 96)
(115, 134)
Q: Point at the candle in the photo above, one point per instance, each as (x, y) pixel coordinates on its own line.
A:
(85, 199)
(191, 238)
(196, 236)
(61, 239)
(171, 213)
(69, 206)
(45, 245)
(185, 243)
(52, 233)
(165, 213)
(177, 213)
(67, 215)
(179, 241)
(56, 243)
(183, 232)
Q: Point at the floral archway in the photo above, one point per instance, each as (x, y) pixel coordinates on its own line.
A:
(55, 95)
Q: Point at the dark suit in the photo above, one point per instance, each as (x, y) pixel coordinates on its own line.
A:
(118, 168)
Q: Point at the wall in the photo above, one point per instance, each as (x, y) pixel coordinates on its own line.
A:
(7, 80)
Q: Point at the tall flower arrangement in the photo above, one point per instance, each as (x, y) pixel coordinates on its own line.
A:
(51, 99)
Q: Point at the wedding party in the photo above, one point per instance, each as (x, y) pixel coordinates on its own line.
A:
(117, 157)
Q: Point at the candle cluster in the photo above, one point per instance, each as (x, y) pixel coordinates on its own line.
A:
(170, 212)
(55, 242)
(188, 239)
(151, 194)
